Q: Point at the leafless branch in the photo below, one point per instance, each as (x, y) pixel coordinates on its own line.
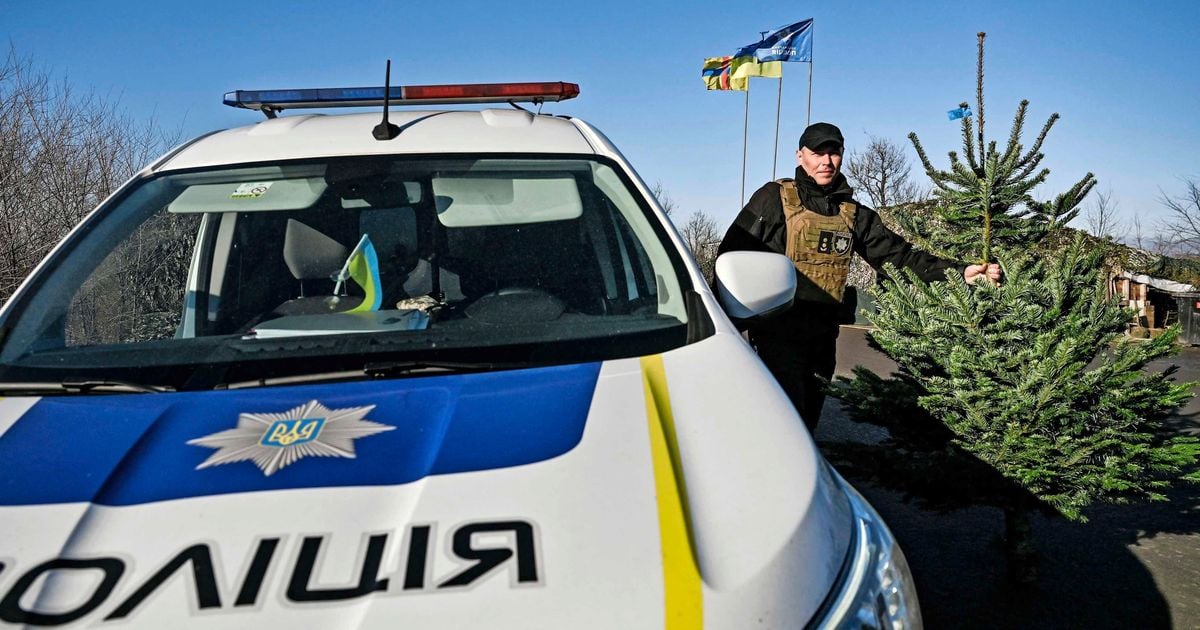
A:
(1183, 217)
(1103, 219)
(881, 172)
(702, 237)
(664, 198)
(61, 152)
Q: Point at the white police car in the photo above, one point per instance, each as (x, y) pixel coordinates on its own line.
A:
(452, 370)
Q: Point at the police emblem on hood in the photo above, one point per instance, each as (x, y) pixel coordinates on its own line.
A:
(275, 440)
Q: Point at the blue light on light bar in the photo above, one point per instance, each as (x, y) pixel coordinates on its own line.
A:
(317, 97)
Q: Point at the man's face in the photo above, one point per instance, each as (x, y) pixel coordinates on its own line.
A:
(823, 164)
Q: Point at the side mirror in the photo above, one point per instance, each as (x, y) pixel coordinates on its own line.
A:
(754, 284)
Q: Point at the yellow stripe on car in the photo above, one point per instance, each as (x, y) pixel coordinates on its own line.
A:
(684, 606)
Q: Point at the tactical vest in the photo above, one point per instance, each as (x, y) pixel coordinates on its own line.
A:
(818, 245)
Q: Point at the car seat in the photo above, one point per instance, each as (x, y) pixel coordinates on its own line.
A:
(313, 259)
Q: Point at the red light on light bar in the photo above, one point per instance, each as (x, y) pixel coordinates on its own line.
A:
(485, 92)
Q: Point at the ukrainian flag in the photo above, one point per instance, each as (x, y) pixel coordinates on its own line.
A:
(716, 75)
(747, 66)
(733, 73)
(362, 266)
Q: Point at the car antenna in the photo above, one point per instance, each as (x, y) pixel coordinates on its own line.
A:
(386, 130)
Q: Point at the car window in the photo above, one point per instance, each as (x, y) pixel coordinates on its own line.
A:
(474, 254)
(136, 291)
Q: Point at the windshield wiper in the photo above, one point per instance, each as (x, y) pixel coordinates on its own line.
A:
(84, 386)
(398, 368)
(381, 369)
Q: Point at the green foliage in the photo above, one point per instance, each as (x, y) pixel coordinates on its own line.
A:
(1031, 378)
(920, 458)
(1026, 389)
(1178, 269)
(986, 200)
(917, 219)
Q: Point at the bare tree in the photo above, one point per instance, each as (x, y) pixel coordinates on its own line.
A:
(1102, 217)
(1136, 233)
(61, 152)
(882, 173)
(1139, 237)
(664, 198)
(135, 293)
(702, 237)
(1183, 217)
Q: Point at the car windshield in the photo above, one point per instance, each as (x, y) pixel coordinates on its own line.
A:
(203, 278)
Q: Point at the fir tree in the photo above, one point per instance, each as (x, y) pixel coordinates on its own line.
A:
(1024, 393)
(986, 200)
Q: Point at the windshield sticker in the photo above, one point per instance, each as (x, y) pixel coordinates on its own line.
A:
(252, 190)
(274, 440)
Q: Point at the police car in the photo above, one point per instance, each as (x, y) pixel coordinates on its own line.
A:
(412, 369)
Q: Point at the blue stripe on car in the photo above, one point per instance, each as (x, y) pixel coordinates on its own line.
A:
(132, 449)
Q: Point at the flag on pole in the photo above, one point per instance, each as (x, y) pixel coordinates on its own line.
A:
(790, 43)
(961, 112)
(746, 67)
(362, 266)
(717, 74)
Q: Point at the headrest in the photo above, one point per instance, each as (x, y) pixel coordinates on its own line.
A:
(311, 255)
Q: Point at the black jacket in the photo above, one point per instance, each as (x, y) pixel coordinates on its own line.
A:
(760, 226)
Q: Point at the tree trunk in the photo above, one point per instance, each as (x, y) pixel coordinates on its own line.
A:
(1019, 551)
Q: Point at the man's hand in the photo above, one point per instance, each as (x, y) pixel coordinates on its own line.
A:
(975, 272)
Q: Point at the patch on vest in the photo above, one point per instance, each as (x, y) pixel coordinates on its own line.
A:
(834, 242)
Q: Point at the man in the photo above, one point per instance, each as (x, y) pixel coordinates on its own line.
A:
(815, 221)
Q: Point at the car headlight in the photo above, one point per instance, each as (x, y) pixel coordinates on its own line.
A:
(875, 588)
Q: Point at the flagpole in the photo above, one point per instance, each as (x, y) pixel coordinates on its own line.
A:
(778, 104)
(745, 134)
(808, 117)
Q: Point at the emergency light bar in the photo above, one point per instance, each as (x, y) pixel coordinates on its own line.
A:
(275, 100)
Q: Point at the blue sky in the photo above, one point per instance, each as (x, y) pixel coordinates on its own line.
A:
(1122, 75)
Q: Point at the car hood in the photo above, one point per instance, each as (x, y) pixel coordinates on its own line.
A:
(619, 494)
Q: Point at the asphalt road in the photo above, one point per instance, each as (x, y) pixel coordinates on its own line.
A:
(1132, 566)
